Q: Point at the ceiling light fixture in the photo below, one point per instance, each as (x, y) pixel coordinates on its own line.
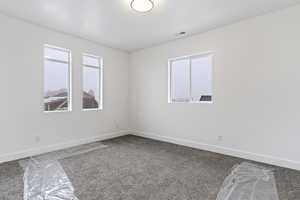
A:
(142, 5)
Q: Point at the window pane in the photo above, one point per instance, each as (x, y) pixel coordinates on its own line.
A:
(91, 88)
(201, 78)
(55, 86)
(57, 54)
(92, 61)
(180, 80)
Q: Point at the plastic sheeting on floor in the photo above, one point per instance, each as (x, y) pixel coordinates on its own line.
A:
(249, 182)
(46, 180)
(65, 153)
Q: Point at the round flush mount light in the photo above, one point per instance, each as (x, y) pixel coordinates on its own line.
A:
(142, 5)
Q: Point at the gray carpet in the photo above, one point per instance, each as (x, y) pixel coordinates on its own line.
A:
(134, 168)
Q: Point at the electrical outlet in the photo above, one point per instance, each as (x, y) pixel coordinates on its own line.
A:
(116, 124)
(37, 139)
(220, 138)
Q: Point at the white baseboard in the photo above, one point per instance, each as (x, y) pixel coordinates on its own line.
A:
(222, 150)
(49, 148)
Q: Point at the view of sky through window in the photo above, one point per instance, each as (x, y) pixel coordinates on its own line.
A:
(191, 79)
(91, 82)
(56, 79)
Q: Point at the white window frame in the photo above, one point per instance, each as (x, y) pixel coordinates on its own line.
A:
(100, 82)
(69, 62)
(189, 57)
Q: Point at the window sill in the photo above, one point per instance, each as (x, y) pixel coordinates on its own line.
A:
(192, 102)
(58, 111)
(92, 109)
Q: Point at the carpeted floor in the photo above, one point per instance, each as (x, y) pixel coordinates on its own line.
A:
(134, 168)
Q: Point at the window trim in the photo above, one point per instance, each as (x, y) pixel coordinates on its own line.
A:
(100, 81)
(189, 57)
(45, 58)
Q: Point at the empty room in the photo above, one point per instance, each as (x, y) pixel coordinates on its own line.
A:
(150, 100)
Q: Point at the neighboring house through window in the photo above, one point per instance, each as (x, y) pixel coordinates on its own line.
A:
(92, 82)
(57, 84)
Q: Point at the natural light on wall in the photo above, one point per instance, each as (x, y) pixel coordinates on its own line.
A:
(142, 5)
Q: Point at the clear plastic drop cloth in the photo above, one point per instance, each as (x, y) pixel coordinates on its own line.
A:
(46, 180)
(249, 182)
(65, 153)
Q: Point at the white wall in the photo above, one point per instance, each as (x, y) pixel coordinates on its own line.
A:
(21, 85)
(256, 91)
(255, 83)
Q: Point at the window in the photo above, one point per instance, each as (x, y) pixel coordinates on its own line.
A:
(57, 82)
(92, 82)
(190, 79)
